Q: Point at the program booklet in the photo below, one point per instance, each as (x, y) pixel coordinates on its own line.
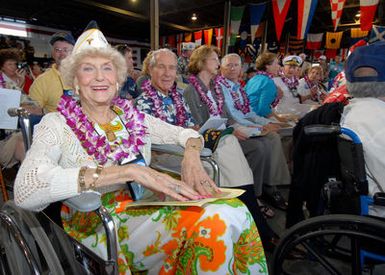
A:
(226, 193)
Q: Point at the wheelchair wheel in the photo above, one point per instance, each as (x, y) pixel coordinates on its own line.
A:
(330, 244)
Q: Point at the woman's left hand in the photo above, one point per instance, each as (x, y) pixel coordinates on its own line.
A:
(194, 175)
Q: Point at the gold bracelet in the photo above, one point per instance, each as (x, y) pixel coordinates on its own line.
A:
(95, 176)
(81, 178)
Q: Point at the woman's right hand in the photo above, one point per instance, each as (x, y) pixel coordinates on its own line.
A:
(162, 183)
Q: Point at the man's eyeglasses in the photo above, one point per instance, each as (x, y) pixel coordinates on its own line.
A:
(62, 50)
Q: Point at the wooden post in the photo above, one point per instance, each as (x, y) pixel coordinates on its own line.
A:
(154, 24)
(226, 28)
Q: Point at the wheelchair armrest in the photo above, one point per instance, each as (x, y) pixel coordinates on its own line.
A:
(176, 149)
(85, 202)
(320, 129)
(379, 198)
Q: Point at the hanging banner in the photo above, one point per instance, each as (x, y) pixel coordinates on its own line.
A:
(280, 9)
(314, 40)
(256, 13)
(356, 35)
(306, 9)
(336, 7)
(208, 36)
(295, 45)
(377, 34)
(198, 38)
(171, 41)
(333, 40)
(219, 37)
(188, 37)
(368, 10)
(236, 14)
(179, 40)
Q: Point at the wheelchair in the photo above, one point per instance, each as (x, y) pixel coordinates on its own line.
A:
(337, 243)
(35, 243)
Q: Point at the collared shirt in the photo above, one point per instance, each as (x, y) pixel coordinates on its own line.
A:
(47, 89)
(146, 104)
(248, 119)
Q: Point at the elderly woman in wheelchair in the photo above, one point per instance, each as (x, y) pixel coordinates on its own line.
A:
(100, 143)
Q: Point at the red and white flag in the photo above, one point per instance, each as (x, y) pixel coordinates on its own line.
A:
(198, 38)
(337, 7)
(219, 32)
(314, 40)
(368, 10)
(280, 9)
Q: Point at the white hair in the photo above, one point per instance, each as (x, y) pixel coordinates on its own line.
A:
(366, 89)
(155, 54)
(227, 56)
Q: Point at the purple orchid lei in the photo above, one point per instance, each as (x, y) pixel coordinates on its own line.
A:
(291, 83)
(97, 145)
(269, 75)
(245, 107)
(217, 90)
(151, 92)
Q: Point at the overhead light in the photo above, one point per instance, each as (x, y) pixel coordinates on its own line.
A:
(194, 17)
(358, 15)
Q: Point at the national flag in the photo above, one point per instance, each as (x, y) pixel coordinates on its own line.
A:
(314, 40)
(260, 30)
(236, 14)
(188, 37)
(171, 41)
(179, 40)
(368, 10)
(336, 7)
(295, 45)
(333, 40)
(219, 37)
(306, 9)
(356, 34)
(208, 36)
(198, 38)
(256, 13)
(280, 9)
(377, 33)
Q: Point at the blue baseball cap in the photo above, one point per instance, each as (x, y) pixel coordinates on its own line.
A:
(62, 36)
(371, 56)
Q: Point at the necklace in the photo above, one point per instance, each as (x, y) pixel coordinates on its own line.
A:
(150, 91)
(291, 83)
(109, 128)
(203, 94)
(98, 146)
(245, 107)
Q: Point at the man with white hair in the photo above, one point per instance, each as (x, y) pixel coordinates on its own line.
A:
(245, 121)
(365, 114)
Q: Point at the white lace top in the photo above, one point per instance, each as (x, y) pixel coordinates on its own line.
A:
(50, 170)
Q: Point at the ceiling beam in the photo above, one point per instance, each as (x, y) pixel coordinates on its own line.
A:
(137, 16)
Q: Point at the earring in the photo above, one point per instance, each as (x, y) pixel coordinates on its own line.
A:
(117, 86)
(77, 89)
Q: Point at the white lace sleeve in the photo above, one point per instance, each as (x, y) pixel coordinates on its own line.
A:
(41, 179)
(164, 133)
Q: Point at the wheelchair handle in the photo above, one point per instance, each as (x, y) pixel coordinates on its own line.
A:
(25, 124)
(320, 129)
(19, 112)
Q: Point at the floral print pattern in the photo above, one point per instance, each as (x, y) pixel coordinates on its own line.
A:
(218, 238)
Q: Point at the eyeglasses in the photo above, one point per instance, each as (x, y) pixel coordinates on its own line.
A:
(62, 50)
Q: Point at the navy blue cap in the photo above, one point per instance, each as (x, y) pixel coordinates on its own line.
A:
(62, 36)
(372, 56)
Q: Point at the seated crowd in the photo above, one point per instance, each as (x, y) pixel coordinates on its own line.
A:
(99, 118)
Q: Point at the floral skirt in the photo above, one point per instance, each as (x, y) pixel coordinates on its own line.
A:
(218, 238)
